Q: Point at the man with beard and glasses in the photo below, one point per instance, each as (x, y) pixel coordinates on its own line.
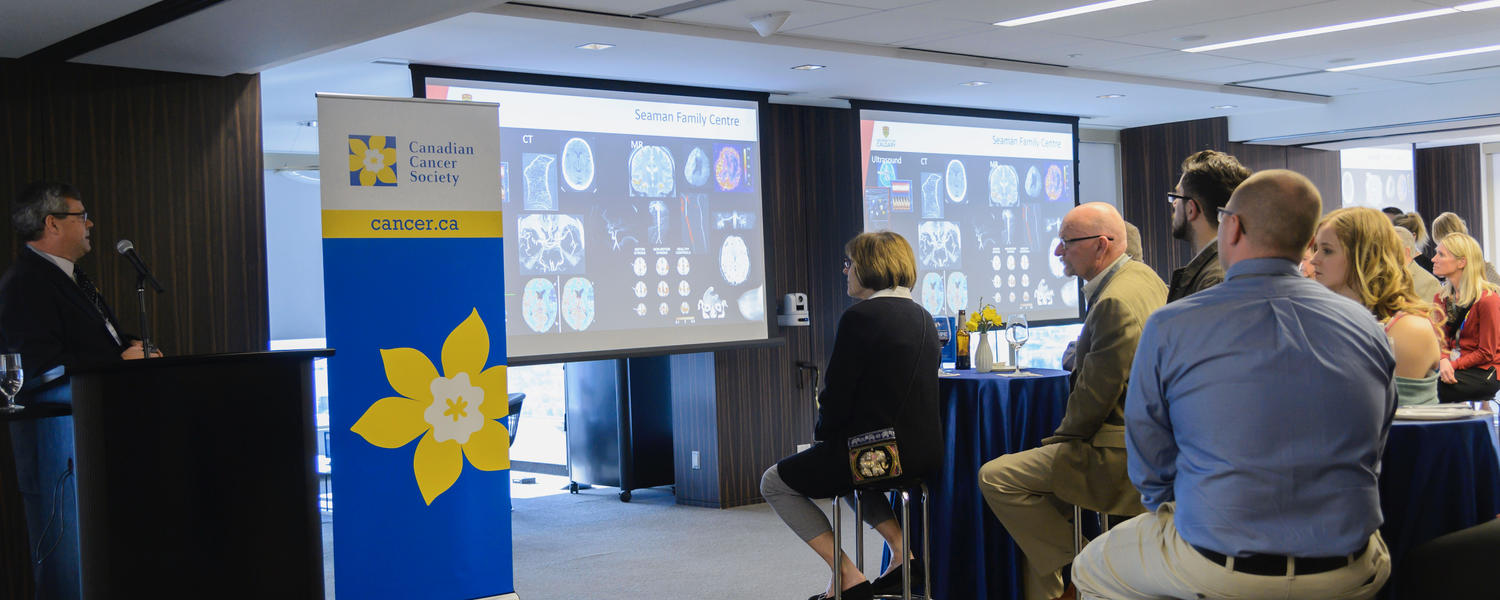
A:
(1208, 178)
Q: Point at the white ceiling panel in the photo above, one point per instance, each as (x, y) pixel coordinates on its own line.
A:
(1243, 73)
(1360, 43)
(1488, 72)
(614, 7)
(26, 27)
(804, 13)
(1329, 84)
(893, 27)
(875, 4)
(1039, 47)
(1289, 18)
(1170, 63)
(1140, 20)
(1440, 42)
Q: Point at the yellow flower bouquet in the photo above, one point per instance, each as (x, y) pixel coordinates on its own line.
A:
(985, 319)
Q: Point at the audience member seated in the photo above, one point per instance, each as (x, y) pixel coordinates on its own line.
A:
(1447, 224)
(1208, 177)
(1457, 565)
(1471, 321)
(1083, 462)
(1257, 413)
(1412, 222)
(882, 374)
(1357, 255)
(1423, 281)
(1305, 267)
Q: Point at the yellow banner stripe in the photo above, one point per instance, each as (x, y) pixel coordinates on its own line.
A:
(413, 224)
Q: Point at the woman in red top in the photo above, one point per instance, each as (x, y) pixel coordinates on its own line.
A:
(1471, 308)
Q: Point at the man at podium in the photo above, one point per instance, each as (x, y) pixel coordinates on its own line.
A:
(50, 310)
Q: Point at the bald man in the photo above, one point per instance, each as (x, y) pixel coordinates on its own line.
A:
(1256, 454)
(1083, 462)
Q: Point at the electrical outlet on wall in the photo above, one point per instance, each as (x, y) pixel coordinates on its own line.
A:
(696, 464)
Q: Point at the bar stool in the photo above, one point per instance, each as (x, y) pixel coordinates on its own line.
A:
(905, 489)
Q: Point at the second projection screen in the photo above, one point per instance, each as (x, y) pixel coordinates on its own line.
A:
(981, 201)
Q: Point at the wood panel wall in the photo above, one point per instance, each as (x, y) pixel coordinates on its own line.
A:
(170, 161)
(1448, 179)
(1151, 159)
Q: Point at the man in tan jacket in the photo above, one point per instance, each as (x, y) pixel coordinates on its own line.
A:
(1083, 462)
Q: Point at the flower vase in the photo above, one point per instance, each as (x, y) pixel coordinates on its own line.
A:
(984, 357)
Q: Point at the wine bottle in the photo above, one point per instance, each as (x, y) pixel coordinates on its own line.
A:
(962, 343)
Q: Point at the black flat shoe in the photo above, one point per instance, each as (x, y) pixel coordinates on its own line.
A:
(863, 591)
(890, 583)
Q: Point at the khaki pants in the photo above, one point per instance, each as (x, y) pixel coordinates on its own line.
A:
(1018, 489)
(1145, 559)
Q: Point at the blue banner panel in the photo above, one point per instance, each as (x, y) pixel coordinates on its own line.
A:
(421, 481)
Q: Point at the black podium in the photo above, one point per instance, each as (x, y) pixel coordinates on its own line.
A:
(197, 477)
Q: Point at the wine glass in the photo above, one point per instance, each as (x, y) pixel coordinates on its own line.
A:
(1016, 332)
(944, 334)
(10, 381)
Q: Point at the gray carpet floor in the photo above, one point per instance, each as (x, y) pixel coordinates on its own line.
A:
(591, 546)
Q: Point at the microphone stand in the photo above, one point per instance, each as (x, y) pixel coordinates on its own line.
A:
(140, 293)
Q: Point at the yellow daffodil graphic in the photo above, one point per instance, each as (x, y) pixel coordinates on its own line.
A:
(454, 413)
(370, 162)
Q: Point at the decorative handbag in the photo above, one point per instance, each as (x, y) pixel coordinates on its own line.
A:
(874, 456)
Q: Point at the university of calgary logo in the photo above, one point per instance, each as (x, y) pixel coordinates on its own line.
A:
(372, 160)
(454, 413)
(885, 131)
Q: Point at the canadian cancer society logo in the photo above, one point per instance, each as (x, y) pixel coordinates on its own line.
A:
(372, 160)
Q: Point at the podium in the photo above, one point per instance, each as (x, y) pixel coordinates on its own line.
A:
(196, 477)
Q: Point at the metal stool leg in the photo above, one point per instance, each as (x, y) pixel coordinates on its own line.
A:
(906, 544)
(926, 548)
(838, 553)
(1077, 530)
(859, 534)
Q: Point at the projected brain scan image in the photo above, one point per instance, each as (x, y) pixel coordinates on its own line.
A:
(683, 308)
(578, 164)
(939, 245)
(657, 232)
(1025, 280)
(958, 181)
(995, 262)
(1033, 182)
(639, 266)
(662, 288)
(640, 309)
(1044, 294)
(662, 309)
(539, 304)
(695, 169)
(932, 293)
(734, 260)
(1025, 262)
(1403, 186)
(1390, 187)
(753, 304)
(729, 168)
(541, 180)
(997, 281)
(640, 289)
(1010, 280)
(1055, 183)
(683, 288)
(958, 288)
(1010, 262)
(549, 243)
(662, 266)
(1348, 188)
(932, 199)
(682, 265)
(1373, 189)
(734, 220)
(885, 174)
(1004, 186)
(711, 306)
(578, 303)
(651, 172)
(1054, 262)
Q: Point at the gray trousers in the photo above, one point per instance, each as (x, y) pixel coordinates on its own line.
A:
(804, 517)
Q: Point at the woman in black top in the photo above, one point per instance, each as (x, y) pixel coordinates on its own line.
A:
(882, 374)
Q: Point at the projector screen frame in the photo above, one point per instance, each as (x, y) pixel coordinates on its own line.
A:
(421, 73)
(857, 106)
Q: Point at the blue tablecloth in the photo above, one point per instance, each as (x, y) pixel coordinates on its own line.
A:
(1436, 477)
(984, 416)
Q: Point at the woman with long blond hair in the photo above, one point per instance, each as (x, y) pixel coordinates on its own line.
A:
(1356, 254)
(1471, 321)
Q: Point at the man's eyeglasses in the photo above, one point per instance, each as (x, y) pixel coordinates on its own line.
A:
(84, 214)
(1224, 212)
(1173, 198)
(1067, 241)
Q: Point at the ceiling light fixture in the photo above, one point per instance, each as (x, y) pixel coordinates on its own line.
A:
(1412, 59)
(1223, 106)
(594, 46)
(808, 67)
(386, 60)
(1110, 96)
(1077, 10)
(975, 83)
(1348, 26)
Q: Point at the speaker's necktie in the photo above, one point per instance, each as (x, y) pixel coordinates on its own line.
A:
(89, 291)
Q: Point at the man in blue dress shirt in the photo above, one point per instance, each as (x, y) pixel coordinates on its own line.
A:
(1255, 419)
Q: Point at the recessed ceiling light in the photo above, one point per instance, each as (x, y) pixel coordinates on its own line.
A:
(1412, 59)
(1111, 96)
(1348, 26)
(1337, 61)
(1077, 10)
(1189, 38)
(974, 83)
(808, 67)
(1223, 106)
(308, 123)
(594, 46)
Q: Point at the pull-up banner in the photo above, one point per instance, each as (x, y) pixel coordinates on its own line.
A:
(415, 307)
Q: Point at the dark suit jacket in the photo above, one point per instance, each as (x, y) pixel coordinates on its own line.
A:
(45, 316)
(883, 373)
(1202, 273)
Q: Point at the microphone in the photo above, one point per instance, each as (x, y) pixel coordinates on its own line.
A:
(127, 249)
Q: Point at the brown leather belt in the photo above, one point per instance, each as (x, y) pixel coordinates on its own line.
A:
(1278, 565)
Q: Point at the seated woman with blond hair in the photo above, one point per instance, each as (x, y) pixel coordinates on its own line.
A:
(1471, 309)
(1357, 255)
